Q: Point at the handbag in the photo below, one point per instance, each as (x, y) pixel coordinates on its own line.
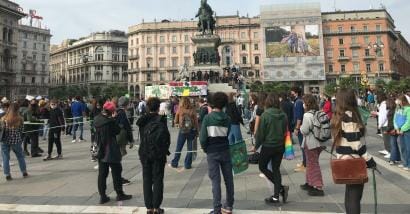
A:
(239, 157)
(352, 170)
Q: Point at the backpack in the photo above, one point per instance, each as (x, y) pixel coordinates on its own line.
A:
(155, 140)
(187, 123)
(400, 118)
(321, 126)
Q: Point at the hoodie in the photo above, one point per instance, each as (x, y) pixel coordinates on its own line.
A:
(106, 130)
(214, 132)
(272, 129)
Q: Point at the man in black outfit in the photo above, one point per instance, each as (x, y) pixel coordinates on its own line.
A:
(56, 122)
(153, 151)
(109, 155)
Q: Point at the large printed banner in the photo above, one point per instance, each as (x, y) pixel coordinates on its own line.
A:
(160, 91)
(188, 89)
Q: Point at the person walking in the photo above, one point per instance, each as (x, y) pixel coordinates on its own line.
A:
(404, 133)
(56, 123)
(312, 147)
(214, 141)
(186, 120)
(270, 135)
(109, 155)
(153, 151)
(348, 132)
(11, 131)
(235, 135)
(298, 111)
(78, 109)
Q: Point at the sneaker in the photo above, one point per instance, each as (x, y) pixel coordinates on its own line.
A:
(58, 157)
(300, 169)
(272, 200)
(104, 199)
(400, 165)
(123, 197)
(299, 165)
(96, 167)
(48, 157)
(380, 135)
(406, 169)
(25, 175)
(387, 156)
(226, 210)
(262, 175)
(9, 178)
(391, 162)
(306, 187)
(125, 182)
(285, 193)
(73, 141)
(93, 160)
(383, 152)
(316, 192)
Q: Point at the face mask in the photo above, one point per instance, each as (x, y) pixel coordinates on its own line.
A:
(398, 102)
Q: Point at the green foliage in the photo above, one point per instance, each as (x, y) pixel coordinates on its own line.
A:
(277, 87)
(331, 89)
(114, 90)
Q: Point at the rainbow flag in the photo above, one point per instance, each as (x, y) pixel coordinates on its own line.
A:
(289, 153)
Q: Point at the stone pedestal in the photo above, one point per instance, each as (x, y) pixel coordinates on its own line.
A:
(206, 53)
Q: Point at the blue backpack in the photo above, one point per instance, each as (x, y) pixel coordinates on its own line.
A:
(400, 118)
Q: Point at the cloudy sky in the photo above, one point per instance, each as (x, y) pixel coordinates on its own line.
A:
(77, 18)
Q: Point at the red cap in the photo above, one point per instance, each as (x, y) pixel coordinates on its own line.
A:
(109, 106)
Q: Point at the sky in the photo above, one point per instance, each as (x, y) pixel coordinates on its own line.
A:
(78, 18)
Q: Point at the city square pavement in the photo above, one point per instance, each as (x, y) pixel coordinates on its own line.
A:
(70, 185)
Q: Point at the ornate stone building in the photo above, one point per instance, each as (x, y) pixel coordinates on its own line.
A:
(9, 16)
(157, 50)
(92, 62)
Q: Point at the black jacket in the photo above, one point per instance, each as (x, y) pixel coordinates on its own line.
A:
(56, 118)
(233, 112)
(287, 107)
(124, 123)
(106, 130)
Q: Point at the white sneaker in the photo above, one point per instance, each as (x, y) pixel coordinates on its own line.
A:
(380, 135)
(262, 175)
(406, 169)
(400, 165)
(73, 141)
(96, 167)
(387, 156)
(384, 152)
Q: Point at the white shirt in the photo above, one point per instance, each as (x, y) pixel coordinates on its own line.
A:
(240, 101)
(383, 114)
(163, 107)
(140, 105)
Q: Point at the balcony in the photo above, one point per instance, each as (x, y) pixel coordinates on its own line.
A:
(355, 45)
(145, 69)
(132, 57)
(343, 58)
(227, 40)
(369, 57)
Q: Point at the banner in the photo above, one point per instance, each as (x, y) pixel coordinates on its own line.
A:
(160, 91)
(188, 89)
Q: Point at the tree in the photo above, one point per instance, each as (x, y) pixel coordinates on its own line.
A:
(114, 90)
(331, 89)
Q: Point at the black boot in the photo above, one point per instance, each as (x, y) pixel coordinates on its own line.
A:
(104, 199)
(123, 197)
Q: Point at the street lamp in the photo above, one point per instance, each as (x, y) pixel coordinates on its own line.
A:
(377, 47)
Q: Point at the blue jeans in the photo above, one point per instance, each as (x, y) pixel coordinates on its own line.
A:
(300, 139)
(182, 138)
(405, 148)
(221, 162)
(78, 123)
(18, 151)
(235, 135)
(394, 149)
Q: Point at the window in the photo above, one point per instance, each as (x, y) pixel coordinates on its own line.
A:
(132, 42)
(35, 36)
(115, 57)
(329, 41)
(174, 50)
(162, 63)
(379, 52)
(378, 28)
(244, 47)
(174, 62)
(342, 53)
(256, 47)
(343, 68)
(255, 35)
(34, 46)
(368, 68)
(257, 60)
(43, 58)
(244, 60)
(330, 69)
(161, 50)
(34, 57)
(149, 62)
(44, 47)
(352, 29)
(43, 67)
(24, 44)
(381, 67)
(329, 53)
(356, 67)
(149, 51)
(354, 40)
(162, 76)
(24, 54)
(25, 35)
(366, 40)
(340, 41)
(149, 76)
(98, 67)
(162, 39)
(43, 80)
(23, 79)
(367, 52)
(243, 35)
(379, 39)
(187, 60)
(99, 54)
(24, 66)
(355, 53)
(257, 73)
(149, 40)
(33, 80)
(186, 38)
(186, 49)
(365, 28)
(340, 29)
(174, 38)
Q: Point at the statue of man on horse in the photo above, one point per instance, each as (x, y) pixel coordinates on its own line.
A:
(206, 23)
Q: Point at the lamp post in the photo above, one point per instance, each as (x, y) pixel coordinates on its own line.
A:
(377, 47)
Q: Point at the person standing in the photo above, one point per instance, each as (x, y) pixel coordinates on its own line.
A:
(287, 108)
(404, 134)
(11, 131)
(298, 112)
(153, 151)
(270, 136)
(204, 109)
(68, 117)
(214, 141)
(109, 154)
(327, 106)
(383, 122)
(348, 132)
(312, 148)
(392, 107)
(186, 120)
(235, 135)
(32, 129)
(142, 107)
(57, 124)
(239, 102)
(78, 109)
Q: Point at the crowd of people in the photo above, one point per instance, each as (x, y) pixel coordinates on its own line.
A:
(217, 126)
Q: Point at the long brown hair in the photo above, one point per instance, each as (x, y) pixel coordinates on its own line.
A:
(310, 102)
(185, 103)
(345, 101)
(12, 117)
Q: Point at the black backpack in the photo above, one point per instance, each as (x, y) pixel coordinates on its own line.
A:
(155, 140)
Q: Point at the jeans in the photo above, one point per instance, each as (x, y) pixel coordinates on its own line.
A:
(103, 170)
(386, 139)
(153, 182)
(235, 135)
(395, 152)
(18, 151)
(353, 196)
(300, 139)
(274, 156)
(54, 136)
(221, 162)
(78, 123)
(182, 138)
(405, 148)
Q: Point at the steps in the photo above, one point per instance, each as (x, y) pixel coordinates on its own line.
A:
(221, 87)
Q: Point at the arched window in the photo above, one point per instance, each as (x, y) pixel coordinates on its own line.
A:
(257, 60)
(99, 54)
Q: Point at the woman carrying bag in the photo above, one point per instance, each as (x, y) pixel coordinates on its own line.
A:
(348, 132)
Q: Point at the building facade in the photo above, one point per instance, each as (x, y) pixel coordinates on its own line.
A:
(157, 50)
(364, 45)
(94, 62)
(10, 14)
(33, 54)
